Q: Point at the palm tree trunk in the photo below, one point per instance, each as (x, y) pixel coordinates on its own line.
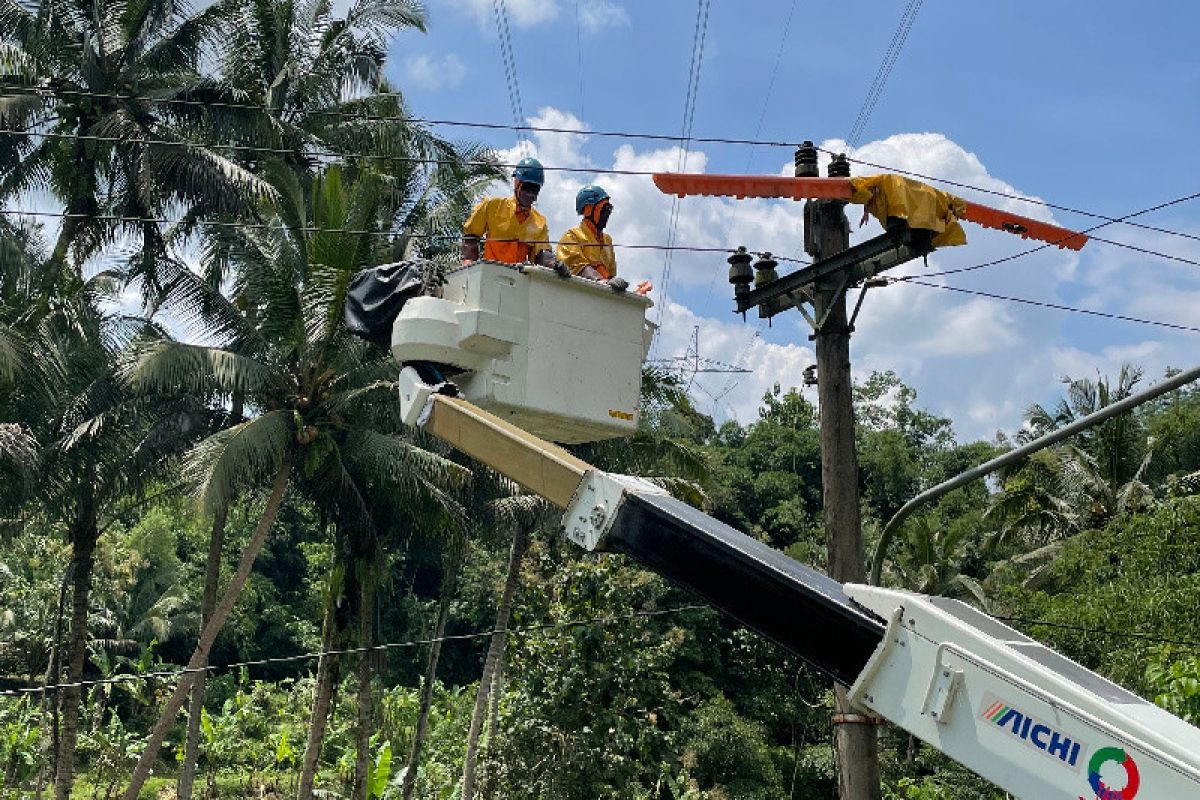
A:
(209, 634)
(83, 542)
(449, 589)
(212, 577)
(499, 638)
(51, 699)
(327, 675)
(366, 703)
(497, 690)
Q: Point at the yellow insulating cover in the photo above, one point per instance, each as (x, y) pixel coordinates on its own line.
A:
(925, 207)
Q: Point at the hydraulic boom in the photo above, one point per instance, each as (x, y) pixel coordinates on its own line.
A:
(1031, 721)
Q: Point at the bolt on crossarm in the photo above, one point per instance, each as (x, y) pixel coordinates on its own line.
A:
(1014, 456)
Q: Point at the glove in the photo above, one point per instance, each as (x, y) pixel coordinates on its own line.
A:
(562, 269)
(618, 284)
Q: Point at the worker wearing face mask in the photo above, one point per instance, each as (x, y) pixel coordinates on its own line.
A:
(586, 249)
(515, 232)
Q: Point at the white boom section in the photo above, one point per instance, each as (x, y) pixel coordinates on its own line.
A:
(560, 358)
(1031, 721)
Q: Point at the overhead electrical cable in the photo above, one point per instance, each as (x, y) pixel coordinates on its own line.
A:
(695, 249)
(518, 631)
(209, 223)
(1047, 304)
(1156, 207)
(594, 170)
(575, 132)
(744, 351)
(579, 62)
(258, 662)
(885, 70)
(689, 114)
(504, 37)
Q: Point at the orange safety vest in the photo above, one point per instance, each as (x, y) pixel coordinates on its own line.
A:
(512, 237)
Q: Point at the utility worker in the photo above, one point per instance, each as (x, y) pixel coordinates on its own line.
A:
(515, 231)
(586, 249)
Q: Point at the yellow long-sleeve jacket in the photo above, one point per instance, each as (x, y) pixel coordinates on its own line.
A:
(585, 246)
(511, 238)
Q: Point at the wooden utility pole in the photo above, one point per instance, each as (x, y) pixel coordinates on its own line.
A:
(827, 233)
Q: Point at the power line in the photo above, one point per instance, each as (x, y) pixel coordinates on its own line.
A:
(885, 70)
(579, 61)
(1088, 231)
(762, 116)
(1047, 304)
(175, 673)
(1011, 196)
(313, 229)
(364, 117)
(573, 131)
(687, 248)
(699, 35)
(332, 154)
(504, 36)
(314, 153)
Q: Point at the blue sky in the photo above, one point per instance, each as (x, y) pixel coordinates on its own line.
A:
(1085, 104)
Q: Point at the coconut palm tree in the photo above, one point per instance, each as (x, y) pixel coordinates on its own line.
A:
(321, 416)
(1082, 482)
(86, 82)
(96, 447)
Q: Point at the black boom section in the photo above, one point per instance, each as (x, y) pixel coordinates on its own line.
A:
(794, 605)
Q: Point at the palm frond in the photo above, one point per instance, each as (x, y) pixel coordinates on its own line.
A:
(169, 366)
(522, 510)
(396, 461)
(229, 462)
(18, 447)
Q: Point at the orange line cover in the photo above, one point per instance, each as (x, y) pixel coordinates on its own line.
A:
(740, 186)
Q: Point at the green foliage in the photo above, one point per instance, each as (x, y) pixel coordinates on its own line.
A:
(592, 718)
(20, 738)
(729, 755)
(1140, 573)
(1176, 686)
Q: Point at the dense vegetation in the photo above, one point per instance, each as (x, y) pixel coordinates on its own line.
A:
(220, 479)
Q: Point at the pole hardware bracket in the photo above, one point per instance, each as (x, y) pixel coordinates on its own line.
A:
(898, 245)
(857, 719)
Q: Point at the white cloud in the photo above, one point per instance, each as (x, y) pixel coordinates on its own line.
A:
(980, 361)
(598, 16)
(521, 13)
(434, 72)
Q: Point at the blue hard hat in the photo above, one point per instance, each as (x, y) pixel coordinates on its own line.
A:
(589, 196)
(529, 170)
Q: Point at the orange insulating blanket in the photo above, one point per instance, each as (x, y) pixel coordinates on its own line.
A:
(924, 207)
(884, 195)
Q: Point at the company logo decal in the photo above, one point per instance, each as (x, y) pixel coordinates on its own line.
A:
(1035, 733)
(1133, 780)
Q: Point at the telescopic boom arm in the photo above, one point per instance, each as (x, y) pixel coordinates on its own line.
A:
(1031, 721)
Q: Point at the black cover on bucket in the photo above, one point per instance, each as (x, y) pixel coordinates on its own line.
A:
(376, 295)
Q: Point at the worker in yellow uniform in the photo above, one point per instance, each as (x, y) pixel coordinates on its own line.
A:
(586, 249)
(515, 231)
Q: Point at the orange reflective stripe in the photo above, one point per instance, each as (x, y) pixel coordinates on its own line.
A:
(507, 252)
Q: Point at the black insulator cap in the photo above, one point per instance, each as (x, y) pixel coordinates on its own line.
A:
(764, 270)
(739, 267)
(839, 166)
(806, 160)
